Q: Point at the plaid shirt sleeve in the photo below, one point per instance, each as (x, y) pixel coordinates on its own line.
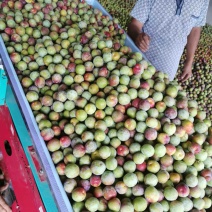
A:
(202, 18)
(141, 10)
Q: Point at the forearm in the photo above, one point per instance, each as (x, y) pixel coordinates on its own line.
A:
(192, 43)
(134, 29)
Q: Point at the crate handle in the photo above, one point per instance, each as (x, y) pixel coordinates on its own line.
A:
(8, 148)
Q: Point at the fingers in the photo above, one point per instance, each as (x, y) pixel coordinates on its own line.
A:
(185, 76)
(187, 72)
(2, 209)
(4, 206)
(143, 41)
(142, 46)
(3, 188)
(146, 39)
(182, 76)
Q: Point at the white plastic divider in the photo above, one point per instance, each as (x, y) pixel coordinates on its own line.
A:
(61, 198)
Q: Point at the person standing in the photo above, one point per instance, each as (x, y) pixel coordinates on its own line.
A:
(162, 28)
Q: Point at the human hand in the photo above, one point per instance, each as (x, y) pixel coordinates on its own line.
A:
(142, 41)
(3, 206)
(4, 187)
(187, 72)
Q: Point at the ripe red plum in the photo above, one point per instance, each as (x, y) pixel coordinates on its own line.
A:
(183, 190)
(78, 194)
(95, 181)
(109, 192)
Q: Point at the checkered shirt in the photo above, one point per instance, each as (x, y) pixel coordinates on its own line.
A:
(168, 32)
